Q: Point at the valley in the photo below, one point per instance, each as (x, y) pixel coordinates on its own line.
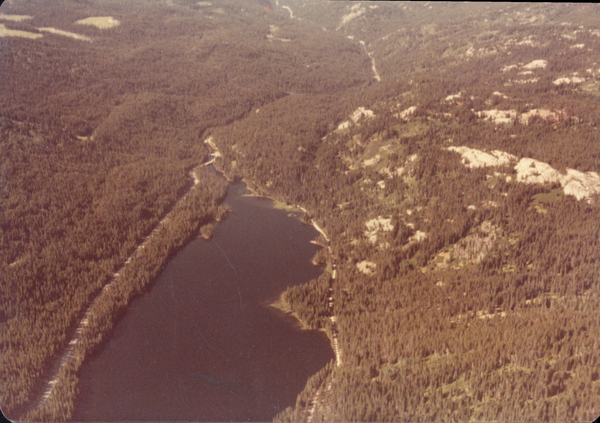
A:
(447, 155)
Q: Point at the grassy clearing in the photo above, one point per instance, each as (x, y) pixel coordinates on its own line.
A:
(591, 87)
(102, 22)
(5, 32)
(66, 34)
(410, 129)
(14, 18)
(539, 200)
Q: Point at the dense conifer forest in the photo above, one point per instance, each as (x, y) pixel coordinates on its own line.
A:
(449, 152)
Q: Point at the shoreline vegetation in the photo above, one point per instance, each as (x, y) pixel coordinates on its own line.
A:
(194, 211)
(95, 140)
(292, 302)
(464, 288)
(319, 317)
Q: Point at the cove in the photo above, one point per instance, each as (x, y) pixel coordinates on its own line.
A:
(203, 344)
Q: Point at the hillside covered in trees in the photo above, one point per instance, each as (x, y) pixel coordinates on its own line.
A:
(449, 152)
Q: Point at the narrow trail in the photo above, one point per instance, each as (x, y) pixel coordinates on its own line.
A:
(68, 354)
(313, 405)
(373, 67)
(289, 10)
(314, 402)
(332, 316)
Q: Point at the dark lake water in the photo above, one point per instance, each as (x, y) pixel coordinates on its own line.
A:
(203, 344)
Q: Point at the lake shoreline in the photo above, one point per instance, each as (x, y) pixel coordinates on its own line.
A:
(216, 315)
(63, 374)
(281, 305)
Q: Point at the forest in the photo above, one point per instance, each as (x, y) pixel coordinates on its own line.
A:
(461, 292)
(502, 332)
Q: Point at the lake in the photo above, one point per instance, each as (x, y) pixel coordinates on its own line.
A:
(203, 343)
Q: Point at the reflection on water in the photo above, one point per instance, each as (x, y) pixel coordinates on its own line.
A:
(202, 344)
